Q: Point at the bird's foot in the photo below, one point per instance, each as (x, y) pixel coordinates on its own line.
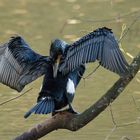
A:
(66, 110)
(72, 111)
(55, 112)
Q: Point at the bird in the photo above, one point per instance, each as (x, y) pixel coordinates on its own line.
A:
(62, 69)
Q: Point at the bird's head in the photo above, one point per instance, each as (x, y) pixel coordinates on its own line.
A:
(57, 50)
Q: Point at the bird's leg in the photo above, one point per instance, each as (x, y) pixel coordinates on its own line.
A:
(54, 112)
(71, 110)
(69, 97)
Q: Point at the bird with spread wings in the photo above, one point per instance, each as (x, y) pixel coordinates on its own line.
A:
(63, 68)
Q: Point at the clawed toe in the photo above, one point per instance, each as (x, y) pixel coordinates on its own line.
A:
(72, 111)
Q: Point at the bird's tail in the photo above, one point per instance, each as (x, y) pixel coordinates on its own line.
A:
(44, 106)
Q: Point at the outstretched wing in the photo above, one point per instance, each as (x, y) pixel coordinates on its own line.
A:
(99, 45)
(19, 65)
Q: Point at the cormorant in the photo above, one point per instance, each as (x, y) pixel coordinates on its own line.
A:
(20, 65)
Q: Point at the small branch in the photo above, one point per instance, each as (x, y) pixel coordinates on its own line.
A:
(137, 107)
(15, 97)
(66, 120)
(112, 116)
(125, 138)
(112, 130)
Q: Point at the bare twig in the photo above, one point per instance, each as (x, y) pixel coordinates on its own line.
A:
(86, 77)
(127, 15)
(125, 138)
(116, 18)
(112, 116)
(127, 124)
(15, 97)
(138, 108)
(129, 27)
(118, 126)
(112, 130)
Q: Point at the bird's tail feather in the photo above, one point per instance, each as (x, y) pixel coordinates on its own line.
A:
(44, 106)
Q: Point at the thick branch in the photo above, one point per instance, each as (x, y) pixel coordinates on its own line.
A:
(66, 120)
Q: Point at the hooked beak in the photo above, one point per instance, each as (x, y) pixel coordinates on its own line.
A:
(55, 66)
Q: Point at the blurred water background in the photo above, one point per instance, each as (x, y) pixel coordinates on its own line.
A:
(40, 21)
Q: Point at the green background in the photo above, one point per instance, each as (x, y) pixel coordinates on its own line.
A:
(40, 21)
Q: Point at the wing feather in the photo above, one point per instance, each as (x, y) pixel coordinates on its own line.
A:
(19, 65)
(98, 45)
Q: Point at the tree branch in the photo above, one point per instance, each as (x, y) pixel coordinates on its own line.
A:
(72, 122)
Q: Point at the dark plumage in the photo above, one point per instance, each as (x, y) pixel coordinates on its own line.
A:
(19, 65)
